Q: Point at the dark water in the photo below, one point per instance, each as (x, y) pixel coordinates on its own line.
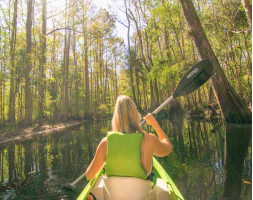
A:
(210, 160)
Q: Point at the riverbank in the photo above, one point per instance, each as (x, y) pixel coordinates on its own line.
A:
(20, 133)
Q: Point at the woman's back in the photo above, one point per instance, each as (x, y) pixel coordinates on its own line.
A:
(124, 155)
(126, 119)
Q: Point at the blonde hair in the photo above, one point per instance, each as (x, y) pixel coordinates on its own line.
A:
(126, 118)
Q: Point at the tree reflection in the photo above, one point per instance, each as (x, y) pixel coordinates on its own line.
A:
(194, 149)
(11, 157)
(178, 137)
(2, 163)
(237, 141)
(90, 136)
(203, 164)
(28, 158)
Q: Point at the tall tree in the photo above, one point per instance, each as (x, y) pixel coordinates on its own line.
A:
(86, 63)
(28, 95)
(65, 91)
(234, 109)
(43, 60)
(129, 52)
(12, 64)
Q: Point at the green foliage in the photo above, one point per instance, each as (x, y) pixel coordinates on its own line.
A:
(160, 53)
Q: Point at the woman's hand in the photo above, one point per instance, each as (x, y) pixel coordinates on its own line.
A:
(150, 119)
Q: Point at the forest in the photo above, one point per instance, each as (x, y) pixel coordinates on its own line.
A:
(70, 64)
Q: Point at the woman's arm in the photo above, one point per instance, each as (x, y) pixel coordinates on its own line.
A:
(98, 161)
(162, 145)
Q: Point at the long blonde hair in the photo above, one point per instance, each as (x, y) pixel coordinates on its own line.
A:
(126, 118)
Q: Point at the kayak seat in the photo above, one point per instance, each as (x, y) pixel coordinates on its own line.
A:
(129, 188)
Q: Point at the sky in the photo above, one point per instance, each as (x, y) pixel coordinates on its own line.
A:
(58, 5)
(121, 30)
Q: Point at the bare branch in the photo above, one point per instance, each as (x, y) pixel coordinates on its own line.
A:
(120, 22)
(118, 7)
(63, 29)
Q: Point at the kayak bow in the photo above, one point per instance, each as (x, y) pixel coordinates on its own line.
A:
(160, 174)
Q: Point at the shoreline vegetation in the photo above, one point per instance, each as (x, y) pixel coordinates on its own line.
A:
(56, 64)
(16, 132)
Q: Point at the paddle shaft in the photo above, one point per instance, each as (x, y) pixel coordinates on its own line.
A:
(77, 180)
(159, 108)
(191, 81)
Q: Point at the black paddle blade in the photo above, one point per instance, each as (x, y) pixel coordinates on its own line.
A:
(194, 78)
(68, 187)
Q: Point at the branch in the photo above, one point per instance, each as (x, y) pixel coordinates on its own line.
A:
(69, 6)
(120, 22)
(113, 2)
(63, 29)
(131, 17)
(237, 32)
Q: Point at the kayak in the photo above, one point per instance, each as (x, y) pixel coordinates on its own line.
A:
(117, 188)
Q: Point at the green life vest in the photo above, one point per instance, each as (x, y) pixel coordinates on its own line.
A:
(123, 156)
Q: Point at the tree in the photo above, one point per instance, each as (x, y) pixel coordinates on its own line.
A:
(86, 67)
(12, 66)
(43, 61)
(28, 95)
(234, 109)
(248, 10)
(129, 52)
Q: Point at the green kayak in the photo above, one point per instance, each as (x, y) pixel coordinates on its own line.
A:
(120, 187)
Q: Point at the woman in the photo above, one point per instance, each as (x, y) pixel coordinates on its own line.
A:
(128, 147)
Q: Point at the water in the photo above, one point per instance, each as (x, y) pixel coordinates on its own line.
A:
(210, 160)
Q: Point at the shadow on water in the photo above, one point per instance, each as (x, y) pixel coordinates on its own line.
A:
(209, 160)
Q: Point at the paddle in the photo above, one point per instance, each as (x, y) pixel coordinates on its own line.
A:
(191, 81)
(69, 186)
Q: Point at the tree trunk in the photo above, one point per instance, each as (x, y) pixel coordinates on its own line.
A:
(87, 87)
(43, 61)
(101, 71)
(65, 96)
(12, 63)
(167, 45)
(66, 110)
(248, 10)
(152, 98)
(4, 92)
(138, 99)
(233, 107)
(116, 81)
(28, 95)
(199, 97)
(91, 80)
(130, 56)
(157, 93)
(76, 76)
(54, 83)
(144, 95)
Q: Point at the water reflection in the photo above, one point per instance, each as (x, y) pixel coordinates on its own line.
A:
(209, 160)
(205, 164)
(237, 143)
